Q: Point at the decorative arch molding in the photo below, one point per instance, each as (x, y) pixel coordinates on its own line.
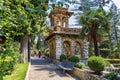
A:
(66, 39)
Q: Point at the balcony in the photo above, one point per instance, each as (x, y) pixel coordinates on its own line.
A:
(67, 30)
(62, 31)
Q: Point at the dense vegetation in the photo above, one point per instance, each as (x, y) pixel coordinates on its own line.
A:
(20, 22)
(19, 72)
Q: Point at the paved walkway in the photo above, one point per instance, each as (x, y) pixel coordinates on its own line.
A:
(41, 69)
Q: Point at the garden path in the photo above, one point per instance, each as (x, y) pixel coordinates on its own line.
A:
(41, 69)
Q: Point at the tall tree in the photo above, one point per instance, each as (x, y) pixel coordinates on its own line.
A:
(23, 19)
(94, 23)
(115, 21)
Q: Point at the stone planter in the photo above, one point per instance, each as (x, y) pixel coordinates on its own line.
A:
(79, 73)
(86, 74)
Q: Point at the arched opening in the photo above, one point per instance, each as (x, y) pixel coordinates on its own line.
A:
(58, 22)
(52, 50)
(66, 48)
(78, 49)
(64, 24)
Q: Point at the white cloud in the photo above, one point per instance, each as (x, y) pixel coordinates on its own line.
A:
(117, 2)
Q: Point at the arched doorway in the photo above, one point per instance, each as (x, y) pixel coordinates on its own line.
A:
(78, 49)
(66, 48)
(52, 50)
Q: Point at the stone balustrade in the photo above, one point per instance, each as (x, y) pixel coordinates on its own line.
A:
(116, 70)
(66, 30)
(70, 30)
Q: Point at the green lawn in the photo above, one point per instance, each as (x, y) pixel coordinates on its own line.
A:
(19, 73)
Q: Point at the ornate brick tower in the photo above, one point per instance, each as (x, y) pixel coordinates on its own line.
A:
(62, 39)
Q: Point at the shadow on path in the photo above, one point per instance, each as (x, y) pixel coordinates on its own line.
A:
(41, 69)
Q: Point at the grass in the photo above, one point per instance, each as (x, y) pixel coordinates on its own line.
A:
(19, 73)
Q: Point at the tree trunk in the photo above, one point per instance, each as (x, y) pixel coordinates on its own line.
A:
(38, 43)
(29, 42)
(95, 46)
(110, 43)
(90, 49)
(24, 48)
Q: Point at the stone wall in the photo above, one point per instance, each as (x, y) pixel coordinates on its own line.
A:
(85, 75)
(79, 73)
(58, 47)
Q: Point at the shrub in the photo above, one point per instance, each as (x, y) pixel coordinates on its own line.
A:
(47, 52)
(63, 57)
(107, 63)
(73, 58)
(8, 59)
(111, 76)
(80, 65)
(111, 55)
(96, 64)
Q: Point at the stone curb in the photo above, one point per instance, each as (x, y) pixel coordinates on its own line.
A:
(27, 74)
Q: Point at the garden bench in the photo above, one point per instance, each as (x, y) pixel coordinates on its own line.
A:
(66, 65)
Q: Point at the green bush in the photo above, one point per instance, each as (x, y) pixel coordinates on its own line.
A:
(111, 76)
(73, 58)
(47, 52)
(111, 55)
(107, 63)
(80, 65)
(8, 58)
(96, 64)
(63, 57)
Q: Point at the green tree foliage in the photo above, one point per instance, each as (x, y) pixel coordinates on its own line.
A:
(9, 56)
(23, 16)
(22, 19)
(94, 24)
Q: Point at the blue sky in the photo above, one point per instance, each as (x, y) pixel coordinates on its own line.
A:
(117, 2)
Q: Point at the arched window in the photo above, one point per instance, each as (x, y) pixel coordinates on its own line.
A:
(66, 48)
(77, 49)
(64, 24)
